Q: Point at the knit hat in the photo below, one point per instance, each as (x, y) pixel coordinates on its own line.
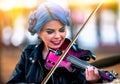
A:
(46, 12)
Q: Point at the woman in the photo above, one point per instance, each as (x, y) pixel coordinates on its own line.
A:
(49, 22)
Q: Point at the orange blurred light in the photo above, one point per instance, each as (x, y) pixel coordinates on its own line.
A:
(87, 3)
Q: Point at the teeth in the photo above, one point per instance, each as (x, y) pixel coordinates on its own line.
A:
(56, 42)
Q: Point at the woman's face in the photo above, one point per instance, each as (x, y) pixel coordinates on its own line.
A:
(53, 34)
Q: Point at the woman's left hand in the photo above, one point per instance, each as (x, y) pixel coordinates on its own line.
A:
(92, 75)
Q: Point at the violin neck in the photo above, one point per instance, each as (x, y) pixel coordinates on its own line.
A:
(105, 75)
(78, 62)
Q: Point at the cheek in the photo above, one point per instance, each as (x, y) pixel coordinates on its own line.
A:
(45, 37)
(64, 35)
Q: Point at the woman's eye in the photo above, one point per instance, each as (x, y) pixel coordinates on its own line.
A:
(62, 30)
(49, 32)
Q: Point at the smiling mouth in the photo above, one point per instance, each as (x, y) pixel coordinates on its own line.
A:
(56, 42)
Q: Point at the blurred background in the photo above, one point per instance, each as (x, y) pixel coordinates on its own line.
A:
(100, 35)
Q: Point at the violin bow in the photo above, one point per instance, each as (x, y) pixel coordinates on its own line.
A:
(69, 46)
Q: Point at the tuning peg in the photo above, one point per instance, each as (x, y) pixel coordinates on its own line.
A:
(114, 72)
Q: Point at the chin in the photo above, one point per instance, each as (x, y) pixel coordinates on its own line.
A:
(56, 47)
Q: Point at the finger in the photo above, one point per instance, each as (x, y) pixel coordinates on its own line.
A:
(89, 71)
(86, 72)
(96, 72)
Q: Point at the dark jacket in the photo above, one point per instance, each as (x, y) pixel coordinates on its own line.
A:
(31, 69)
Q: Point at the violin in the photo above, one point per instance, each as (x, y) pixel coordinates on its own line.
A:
(73, 59)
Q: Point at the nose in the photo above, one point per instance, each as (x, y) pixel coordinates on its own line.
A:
(57, 35)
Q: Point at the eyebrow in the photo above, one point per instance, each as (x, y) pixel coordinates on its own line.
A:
(49, 29)
(52, 28)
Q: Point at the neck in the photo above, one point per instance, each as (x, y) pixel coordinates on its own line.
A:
(45, 52)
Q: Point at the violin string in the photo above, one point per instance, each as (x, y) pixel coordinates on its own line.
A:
(77, 62)
(69, 46)
(83, 65)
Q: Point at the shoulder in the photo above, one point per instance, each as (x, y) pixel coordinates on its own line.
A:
(28, 50)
